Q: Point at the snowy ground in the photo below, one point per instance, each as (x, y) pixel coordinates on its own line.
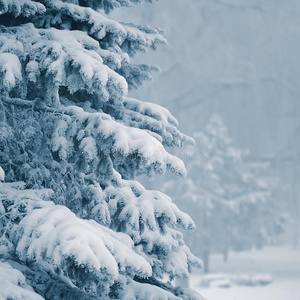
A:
(283, 264)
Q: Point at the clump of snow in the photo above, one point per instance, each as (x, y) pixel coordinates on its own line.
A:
(128, 143)
(156, 119)
(21, 7)
(10, 70)
(54, 234)
(2, 174)
(13, 284)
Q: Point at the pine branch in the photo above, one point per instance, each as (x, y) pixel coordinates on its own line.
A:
(34, 104)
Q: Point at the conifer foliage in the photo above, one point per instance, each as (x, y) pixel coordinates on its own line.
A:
(75, 224)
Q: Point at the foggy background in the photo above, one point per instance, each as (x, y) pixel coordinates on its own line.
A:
(238, 60)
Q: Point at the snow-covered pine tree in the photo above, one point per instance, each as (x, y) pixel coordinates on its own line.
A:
(75, 224)
(229, 198)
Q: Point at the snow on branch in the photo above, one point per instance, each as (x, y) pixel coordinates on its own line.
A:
(10, 70)
(55, 235)
(112, 35)
(14, 285)
(109, 5)
(128, 143)
(21, 7)
(2, 175)
(149, 217)
(157, 119)
(66, 58)
(49, 233)
(140, 208)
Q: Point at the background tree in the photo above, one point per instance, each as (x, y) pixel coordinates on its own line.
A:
(229, 198)
(245, 73)
(74, 222)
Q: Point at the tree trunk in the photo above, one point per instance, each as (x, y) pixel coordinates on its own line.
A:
(296, 235)
(225, 255)
(206, 262)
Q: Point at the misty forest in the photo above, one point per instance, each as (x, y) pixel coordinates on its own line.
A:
(149, 149)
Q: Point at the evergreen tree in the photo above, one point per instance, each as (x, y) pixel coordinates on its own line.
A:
(75, 224)
(229, 198)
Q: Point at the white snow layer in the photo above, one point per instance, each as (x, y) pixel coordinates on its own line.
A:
(2, 174)
(10, 70)
(21, 7)
(54, 234)
(13, 284)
